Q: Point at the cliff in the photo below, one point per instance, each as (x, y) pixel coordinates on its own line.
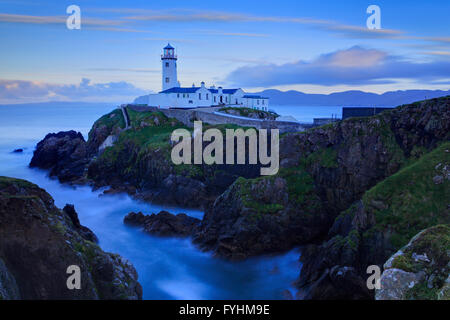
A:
(39, 242)
(420, 270)
(324, 171)
(352, 192)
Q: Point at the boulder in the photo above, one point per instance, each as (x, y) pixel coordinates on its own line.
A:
(164, 223)
(420, 270)
(63, 153)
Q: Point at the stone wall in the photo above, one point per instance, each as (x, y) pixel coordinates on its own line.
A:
(188, 116)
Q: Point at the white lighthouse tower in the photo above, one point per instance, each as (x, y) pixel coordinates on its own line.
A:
(169, 68)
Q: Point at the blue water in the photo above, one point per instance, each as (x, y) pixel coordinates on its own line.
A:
(307, 114)
(168, 268)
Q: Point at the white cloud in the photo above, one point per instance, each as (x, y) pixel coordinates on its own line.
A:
(20, 91)
(354, 66)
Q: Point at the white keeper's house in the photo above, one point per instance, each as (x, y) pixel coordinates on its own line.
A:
(175, 96)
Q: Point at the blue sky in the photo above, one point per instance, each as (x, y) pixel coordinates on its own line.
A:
(310, 46)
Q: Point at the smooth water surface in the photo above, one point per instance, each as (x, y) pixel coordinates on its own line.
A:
(168, 268)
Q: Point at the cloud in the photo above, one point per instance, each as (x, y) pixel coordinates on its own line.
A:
(28, 19)
(17, 91)
(189, 16)
(115, 29)
(137, 70)
(438, 53)
(354, 66)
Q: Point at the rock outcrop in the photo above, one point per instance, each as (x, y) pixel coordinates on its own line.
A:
(64, 154)
(250, 113)
(164, 224)
(326, 170)
(38, 244)
(383, 221)
(420, 270)
(257, 216)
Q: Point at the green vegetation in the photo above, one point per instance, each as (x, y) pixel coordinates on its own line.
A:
(60, 228)
(435, 244)
(250, 113)
(300, 184)
(89, 250)
(327, 158)
(189, 170)
(149, 131)
(405, 263)
(421, 292)
(412, 200)
(7, 181)
(111, 121)
(250, 196)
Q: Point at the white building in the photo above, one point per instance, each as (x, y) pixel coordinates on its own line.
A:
(175, 96)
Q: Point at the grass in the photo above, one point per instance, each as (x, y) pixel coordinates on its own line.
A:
(7, 181)
(413, 201)
(112, 120)
(250, 200)
(326, 157)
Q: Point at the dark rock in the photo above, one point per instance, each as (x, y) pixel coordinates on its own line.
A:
(164, 223)
(63, 153)
(254, 217)
(343, 161)
(18, 151)
(39, 242)
(336, 283)
(85, 232)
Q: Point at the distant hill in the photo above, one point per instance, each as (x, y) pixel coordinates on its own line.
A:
(350, 98)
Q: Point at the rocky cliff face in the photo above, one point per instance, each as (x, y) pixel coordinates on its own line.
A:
(324, 171)
(358, 189)
(39, 242)
(383, 221)
(420, 270)
(136, 161)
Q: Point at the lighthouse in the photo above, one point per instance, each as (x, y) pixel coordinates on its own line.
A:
(173, 95)
(169, 68)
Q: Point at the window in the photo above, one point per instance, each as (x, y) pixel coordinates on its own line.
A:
(167, 80)
(207, 96)
(214, 98)
(236, 101)
(184, 96)
(263, 102)
(178, 95)
(167, 64)
(257, 101)
(190, 101)
(199, 96)
(226, 99)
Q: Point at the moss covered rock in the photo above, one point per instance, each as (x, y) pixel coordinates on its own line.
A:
(420, 270)
(39, 242)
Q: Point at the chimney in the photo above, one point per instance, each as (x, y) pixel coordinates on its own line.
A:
(203, 84)
(220, 90)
